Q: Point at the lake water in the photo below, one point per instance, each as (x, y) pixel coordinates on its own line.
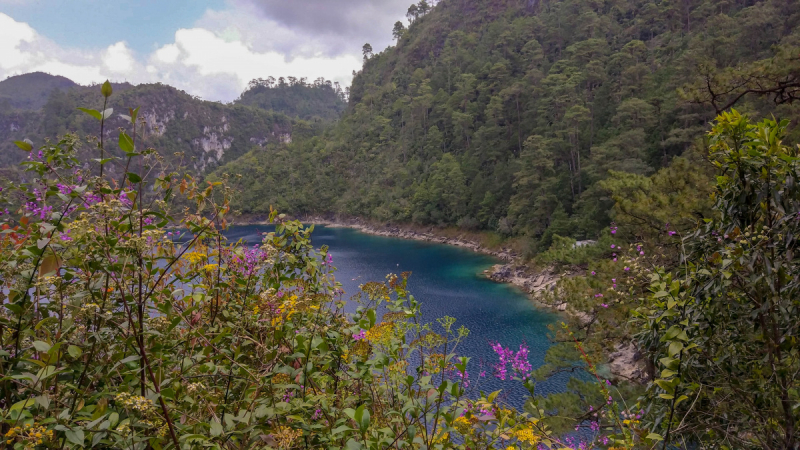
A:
(447, 281)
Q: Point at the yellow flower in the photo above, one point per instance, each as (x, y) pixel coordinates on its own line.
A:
(398, 368)
(281, 378)
(463, 425)
(434, 362)
(442, 438)
(527, 435)
(195, 257)
(381, 334)
(287, 437)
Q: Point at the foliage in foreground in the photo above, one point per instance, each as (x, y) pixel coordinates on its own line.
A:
(126, 327)
(712, 308)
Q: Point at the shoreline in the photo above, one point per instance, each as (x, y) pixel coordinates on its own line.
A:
(623, 362)
(510, 271)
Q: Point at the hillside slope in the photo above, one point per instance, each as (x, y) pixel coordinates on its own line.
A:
(321, 100)
(504, 114)
(30, 91)
(187, 132)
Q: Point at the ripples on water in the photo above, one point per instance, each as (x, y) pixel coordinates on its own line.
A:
(447, 281)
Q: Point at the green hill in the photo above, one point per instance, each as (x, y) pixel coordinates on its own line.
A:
(188, 133)
(31, 90)
(505, 115)
(321, 100)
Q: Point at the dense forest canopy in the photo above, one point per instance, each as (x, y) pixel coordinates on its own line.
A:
(320, 100)
(505, 115)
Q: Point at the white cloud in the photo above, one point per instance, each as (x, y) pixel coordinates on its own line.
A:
(23, 50)
(168, 53)
(199, 59)
(12, 35)
(118, 58)
(214, 60)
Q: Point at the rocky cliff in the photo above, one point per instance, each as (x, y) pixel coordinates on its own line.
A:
(187, 132)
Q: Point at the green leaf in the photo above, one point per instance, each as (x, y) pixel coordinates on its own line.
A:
(28, 402)
(92, 112)
(106, 89)
(24, 145)
(364, 423)
(666, 385)
(75, 436)
(340, 429)
(74, 351)
(216, 427)
(675, 347)
(666, 373)
(134, 178)
(41, 346)
(125, 143)
(50, 264)
(654, 437)
(358, 414)
(107, 113)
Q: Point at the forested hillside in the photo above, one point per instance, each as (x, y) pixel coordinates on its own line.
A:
(317, 101)
(188, 132)
(30, 91)
(505, 115)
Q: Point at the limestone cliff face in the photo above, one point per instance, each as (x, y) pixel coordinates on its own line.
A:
(193, 134)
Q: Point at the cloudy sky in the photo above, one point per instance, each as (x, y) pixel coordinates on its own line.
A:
(209, 48)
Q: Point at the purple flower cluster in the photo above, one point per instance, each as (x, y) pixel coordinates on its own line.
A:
(41, 211)
(65, 236)
(360, 335)
(328, 261)
(248, 264)
(464, 377)
(123, 198)
(64, 189)
(519, 361)
(91, 199)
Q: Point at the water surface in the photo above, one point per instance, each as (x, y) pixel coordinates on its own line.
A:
(447, 281)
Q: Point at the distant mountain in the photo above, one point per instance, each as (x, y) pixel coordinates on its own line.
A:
(321, 100)
(190, 133)
(31, 90)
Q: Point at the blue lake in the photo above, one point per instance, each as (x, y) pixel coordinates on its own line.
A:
(447, 281)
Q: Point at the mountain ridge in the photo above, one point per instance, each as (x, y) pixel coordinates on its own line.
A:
(191, 134)
(507, 116)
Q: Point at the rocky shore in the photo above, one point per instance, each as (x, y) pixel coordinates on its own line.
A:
(423, 234)
(623, 363)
